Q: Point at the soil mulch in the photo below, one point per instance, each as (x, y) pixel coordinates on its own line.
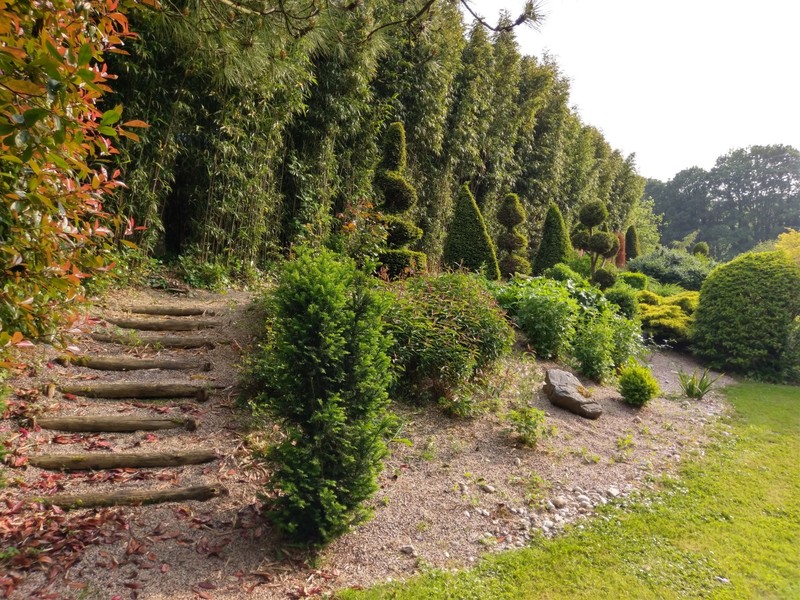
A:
(451, 490)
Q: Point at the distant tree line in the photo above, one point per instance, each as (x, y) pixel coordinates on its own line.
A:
(266, 127)
(751, 195)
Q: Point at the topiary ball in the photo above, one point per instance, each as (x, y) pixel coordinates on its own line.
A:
(700, 248)
(511, 212)
(593, 214)
(746, 311)
(637, 385)
(602, 242)
(605, 277)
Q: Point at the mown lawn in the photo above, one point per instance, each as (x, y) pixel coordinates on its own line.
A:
(729, 528)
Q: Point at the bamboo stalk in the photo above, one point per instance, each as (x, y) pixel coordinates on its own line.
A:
(133, 497)
(117, 424)
(114, 460)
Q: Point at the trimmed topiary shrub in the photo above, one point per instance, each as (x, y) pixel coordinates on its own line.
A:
(673, 266)
(561, 272)
(688, 301)
(323, 375)
(700, 248)
(665, 323)
(746, 312)
(637, 281)
(648, 297)
(605, 277)
(601, 245)
(468, 244)
(624, 298)
(398, 198)
(513, 243)
(448, 330)
(555, 246)
(637, 385)
(632, 248)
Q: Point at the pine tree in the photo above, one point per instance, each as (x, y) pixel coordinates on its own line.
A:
(468, 243)
(632, 249)
(555, 246)
(513, 242)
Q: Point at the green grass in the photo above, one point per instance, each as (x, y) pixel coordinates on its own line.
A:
(733, 515)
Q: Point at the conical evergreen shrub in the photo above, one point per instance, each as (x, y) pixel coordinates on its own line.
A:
(513, 243)
(468, 243)
(398, 197)
(632, 249)
(555, 246)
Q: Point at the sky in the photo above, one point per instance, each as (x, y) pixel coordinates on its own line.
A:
(676, 82)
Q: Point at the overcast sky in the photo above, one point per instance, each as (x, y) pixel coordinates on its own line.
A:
(677, 82)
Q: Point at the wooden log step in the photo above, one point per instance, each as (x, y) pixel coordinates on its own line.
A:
(128, 363)
(172, 311)
(114, 460)
(125, 389)
(116, 423)
(163, 324)
(133, 497)
(156, 341)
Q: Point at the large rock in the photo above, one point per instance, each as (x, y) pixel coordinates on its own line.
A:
(564, 390)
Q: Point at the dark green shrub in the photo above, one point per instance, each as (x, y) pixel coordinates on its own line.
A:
(447, 330)
(792, 353)
(398, 196)
(561, 272)
(397, 193)
(403, 263)
(637, 385)
(323, 375)
(468, 244)
(593, 214)
(747, 308)
(513, 243)
(700, 248)
(593, 346)
(673, 266)
(511, 213)
(602, 243)
(581, 264)
(394, 148)
(637, 281)
(632, 248)
(555, 246)
(400, 232)
(625, 299)
(605, 277)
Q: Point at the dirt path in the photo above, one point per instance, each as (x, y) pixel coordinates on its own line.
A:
(451, 490)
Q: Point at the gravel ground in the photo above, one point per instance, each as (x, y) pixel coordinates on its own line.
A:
(451, 491)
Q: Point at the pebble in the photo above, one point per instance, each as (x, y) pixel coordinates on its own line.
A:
(560, 502)
(577, 490)
(637, 420)
(550, 506)
(518, 462)
(489, 489)
(466, 513)
(547, 524)
(409, 549)
(583, 499)
(613, 492)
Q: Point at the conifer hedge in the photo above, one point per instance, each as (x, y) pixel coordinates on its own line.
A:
(555, 246)
(632, 248)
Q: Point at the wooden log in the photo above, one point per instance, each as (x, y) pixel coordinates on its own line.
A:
(163, 324)
(127, 363)
(172, 311)
(125, 389)
(116, 423)
(133, 497)
(156, 341)
(119, 460)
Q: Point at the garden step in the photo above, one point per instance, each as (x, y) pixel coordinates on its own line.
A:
(157, 341)
(115, 423)
(125, 389)
(94, 460)
(133, 497)
(163, 324)
(128, 363)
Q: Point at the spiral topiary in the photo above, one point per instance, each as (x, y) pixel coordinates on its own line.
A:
(398, 197)
(555, 246)
(468, 243)
(513, 242)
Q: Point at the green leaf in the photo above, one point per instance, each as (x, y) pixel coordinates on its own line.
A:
(84, 55)
(111, 116)
(106, 130)
(33, 115)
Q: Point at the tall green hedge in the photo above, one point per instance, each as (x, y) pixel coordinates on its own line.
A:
(632, 249)
(555, 246)
(745, 315)
(468, 243)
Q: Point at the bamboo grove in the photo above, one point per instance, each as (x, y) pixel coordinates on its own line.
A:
(266, 125)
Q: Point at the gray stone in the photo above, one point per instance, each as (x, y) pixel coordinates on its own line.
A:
(560, 502)
(563, 390)
(410, 550)
(489, 489)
